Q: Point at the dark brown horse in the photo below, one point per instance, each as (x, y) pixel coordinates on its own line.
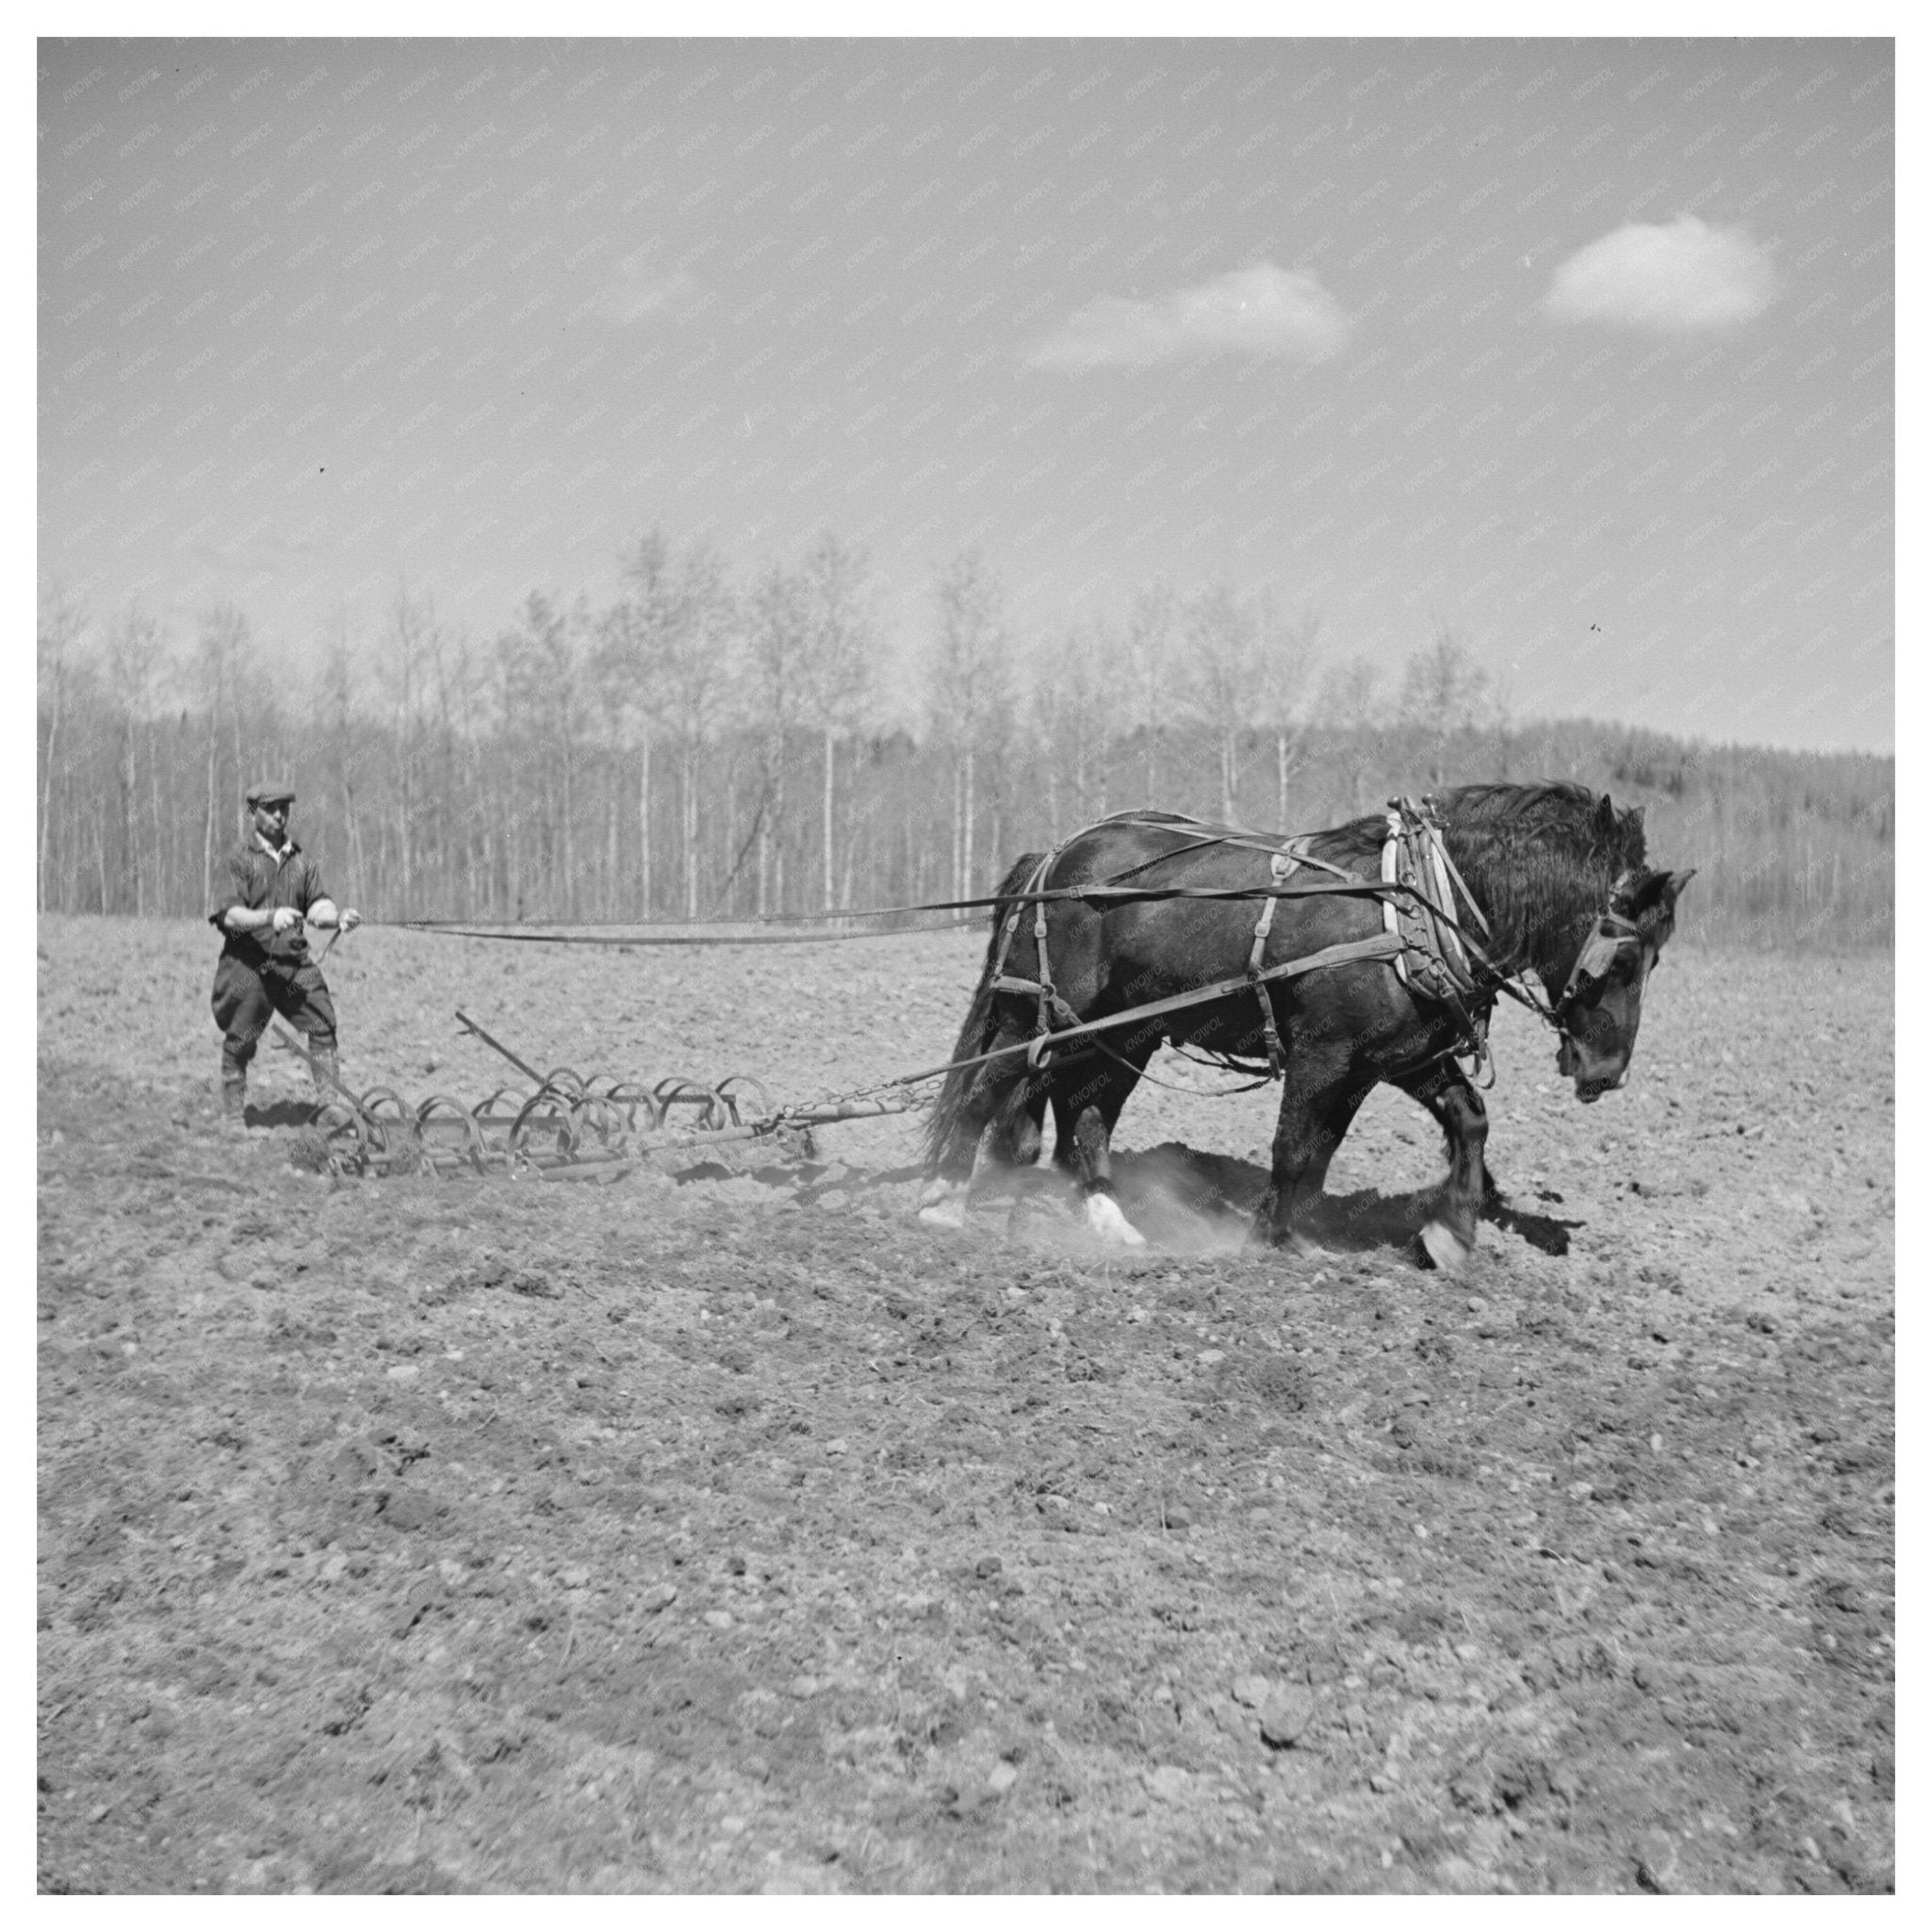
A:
(1557, 876)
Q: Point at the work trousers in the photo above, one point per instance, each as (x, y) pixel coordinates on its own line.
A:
(247, 994)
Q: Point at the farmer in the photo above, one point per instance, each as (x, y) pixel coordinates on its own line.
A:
(265, 968)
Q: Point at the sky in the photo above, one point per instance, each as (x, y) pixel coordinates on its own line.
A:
(1581, 350)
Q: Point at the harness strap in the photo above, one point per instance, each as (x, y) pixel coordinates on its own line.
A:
(1377, 946)
(1051, 1005)
(1268, 1035)
(1448, 864)
(1049, 999)
(1280, 865)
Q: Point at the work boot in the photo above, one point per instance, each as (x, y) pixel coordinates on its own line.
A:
(235, 1104)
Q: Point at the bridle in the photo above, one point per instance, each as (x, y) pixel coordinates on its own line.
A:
(1610, 933)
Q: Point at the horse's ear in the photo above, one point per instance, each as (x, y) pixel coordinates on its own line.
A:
(1660, 888)
(1607, 816)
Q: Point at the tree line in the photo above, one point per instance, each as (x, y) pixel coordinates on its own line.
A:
(711, 747)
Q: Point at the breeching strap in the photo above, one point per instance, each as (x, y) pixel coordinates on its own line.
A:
(1052, 1006)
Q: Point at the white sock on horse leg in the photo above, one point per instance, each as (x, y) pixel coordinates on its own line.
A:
(944, 1204)
(1104, 1217)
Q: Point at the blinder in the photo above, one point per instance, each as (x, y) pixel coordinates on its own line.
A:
(1611, 933)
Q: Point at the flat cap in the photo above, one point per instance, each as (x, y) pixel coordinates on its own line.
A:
(266, 788)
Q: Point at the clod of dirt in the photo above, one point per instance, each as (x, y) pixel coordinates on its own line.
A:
(1286, 1718)
(660, 1596)
(420, 1596)
(1251, 1690)
(407, 1510)
(538, 1287)
(1656, 1863)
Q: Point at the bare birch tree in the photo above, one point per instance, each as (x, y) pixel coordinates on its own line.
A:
(969, 691)
(840, 668)
(342, 727)
(133, 664)
(1346, 703)
(634, 636)
(1077, 706)
(1226, 665)
(404, 667)
(1148, 678)
(779, 643)
(1347, 697)
(1444, 692)
(220, 649)
(688, 662)
(1288, 675)
(61, 623)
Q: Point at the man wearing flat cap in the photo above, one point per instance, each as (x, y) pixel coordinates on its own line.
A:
(272, 887)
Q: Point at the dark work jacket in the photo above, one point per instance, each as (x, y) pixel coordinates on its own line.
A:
(261, 883)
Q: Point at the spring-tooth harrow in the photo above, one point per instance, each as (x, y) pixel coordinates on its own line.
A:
(572, 1127)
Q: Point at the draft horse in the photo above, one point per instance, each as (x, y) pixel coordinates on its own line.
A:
(1553, 876)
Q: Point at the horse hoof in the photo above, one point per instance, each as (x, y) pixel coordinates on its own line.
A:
(944, 1206)
(1446, 1248)
(1300, 1247)
(1104, 1217)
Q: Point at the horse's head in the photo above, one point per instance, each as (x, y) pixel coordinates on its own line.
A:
(1602, 1001)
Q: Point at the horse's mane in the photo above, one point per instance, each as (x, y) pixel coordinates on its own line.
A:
(1540, 858)
(1555, 816)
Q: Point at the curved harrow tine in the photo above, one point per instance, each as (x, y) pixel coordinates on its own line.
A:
(345, 1134)
(439, 1111)
(732, 1085)
(550, 1109)
(606, 1121)
(397, 1148)
(632, 1094)
(679, 1092)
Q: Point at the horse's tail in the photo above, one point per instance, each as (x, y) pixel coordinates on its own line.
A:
(977, 1031)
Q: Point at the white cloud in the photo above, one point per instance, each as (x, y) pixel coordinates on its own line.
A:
(637, 293)
(1683, 278)
(1259, 311)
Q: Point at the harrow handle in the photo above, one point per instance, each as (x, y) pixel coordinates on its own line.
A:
(522, 1066)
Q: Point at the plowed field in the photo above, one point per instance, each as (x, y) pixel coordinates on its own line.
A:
(723, 1531)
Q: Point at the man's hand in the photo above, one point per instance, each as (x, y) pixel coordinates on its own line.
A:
(350, 920)
(285, 917)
